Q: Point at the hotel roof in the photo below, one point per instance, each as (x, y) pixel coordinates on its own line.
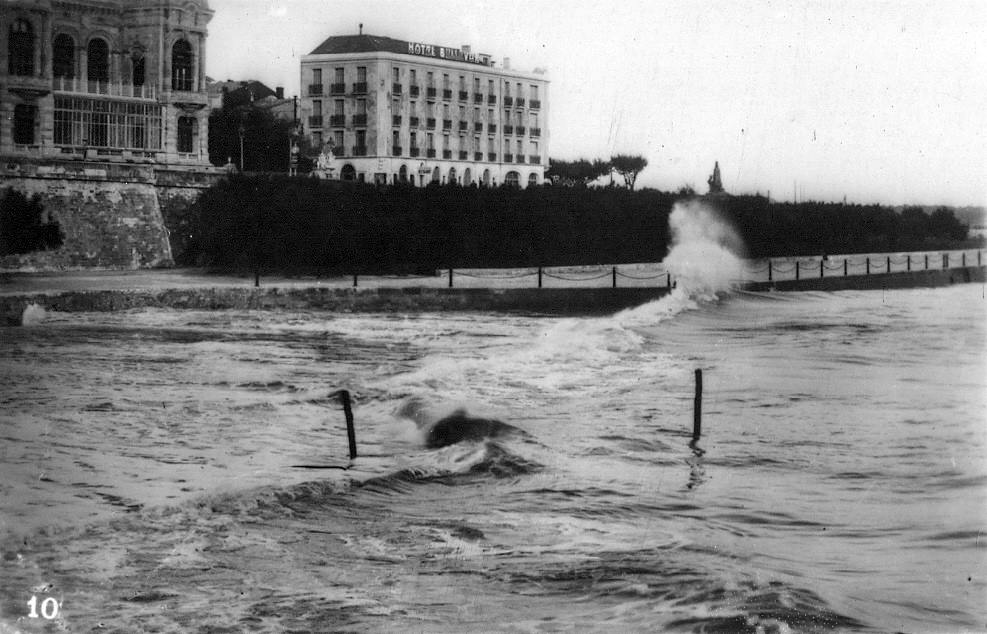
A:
(339, 44)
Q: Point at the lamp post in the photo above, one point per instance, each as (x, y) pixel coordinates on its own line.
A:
(241, 130)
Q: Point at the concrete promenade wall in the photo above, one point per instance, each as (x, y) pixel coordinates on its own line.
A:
(556, 301)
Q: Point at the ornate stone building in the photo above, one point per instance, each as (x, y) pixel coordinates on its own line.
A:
(104, 80)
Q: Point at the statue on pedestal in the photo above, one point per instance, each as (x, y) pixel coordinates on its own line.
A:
(325, 165)
(714, 182)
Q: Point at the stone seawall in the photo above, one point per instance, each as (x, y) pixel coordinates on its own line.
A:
(555, 301)
(110, 213)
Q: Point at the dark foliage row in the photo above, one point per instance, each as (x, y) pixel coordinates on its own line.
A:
(280, 223)
(21, 226)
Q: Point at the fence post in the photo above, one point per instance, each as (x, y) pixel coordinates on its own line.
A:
(344, 396)
(450, 277)
(697, 407)
(769, 270)
(614, 274)
(539, 277)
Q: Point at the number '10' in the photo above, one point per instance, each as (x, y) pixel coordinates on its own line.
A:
(49, 608)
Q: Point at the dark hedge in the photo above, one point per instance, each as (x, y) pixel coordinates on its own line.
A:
(261, 223)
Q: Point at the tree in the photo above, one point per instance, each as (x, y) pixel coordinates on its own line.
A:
(628, 167)
(580, 172)
(266, 139)
(21, 228)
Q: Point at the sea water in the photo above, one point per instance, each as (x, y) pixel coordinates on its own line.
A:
(180, 471)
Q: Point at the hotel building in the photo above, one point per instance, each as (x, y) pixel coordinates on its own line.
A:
(104, 80)
(396, 111)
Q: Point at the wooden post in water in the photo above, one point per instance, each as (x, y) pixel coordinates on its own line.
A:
(769, 270)
(539, 277)
(354, 281)
(450, 277)
(697, 407)
(344, 396)
(614, 275)
(256, 278)
(889, 264)
(909, 261)
(797, 262)
(822, 263)
(868, 265)
(668, 280)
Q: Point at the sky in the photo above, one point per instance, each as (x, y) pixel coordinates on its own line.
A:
(871, 101)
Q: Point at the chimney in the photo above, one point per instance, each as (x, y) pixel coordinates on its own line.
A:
(361, 28)
(507, 63)
(279, 92)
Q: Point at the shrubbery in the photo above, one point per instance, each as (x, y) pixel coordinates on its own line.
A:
(303, 224)
(21, 228)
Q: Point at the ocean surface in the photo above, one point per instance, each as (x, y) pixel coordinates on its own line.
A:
(159, 469)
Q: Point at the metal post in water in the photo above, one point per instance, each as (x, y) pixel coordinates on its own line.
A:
(697, 407)
(344, 397)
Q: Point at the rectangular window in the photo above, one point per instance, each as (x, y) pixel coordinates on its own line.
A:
(317, 107)
(361, 75)
(396, 75)
(338, 105)
(430, 138)
(188, 128)
(361, 106)
(361, 138)
(476, 84)
(340, 76)
(534, 92)
(476, 115)
(445, 141)
(507, 89)
(462, 113)
(490, 116)
(79, 121)
(24, 118)
(338, 139)
(414, 139)
(317, 139)
(430, 79)
(445, 81)
(490, 86)
(476, 143)
(316, 76)
(414, 77)
(519, 145)
(395, 139)
(395, 106)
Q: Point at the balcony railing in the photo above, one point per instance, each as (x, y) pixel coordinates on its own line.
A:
(508, 130)
(414, 152)
(447, 124)
(430, 93)
(508, 101)
(535, 131)
(414, 91)
(396, 119)
(535, 104)
(463, 154)
(447, 154)
(430, 153)
(359, 150)
(491, 99)
(492, 157)
(315, 90)
(446, 93)
(430, 123)
(519, 158)
(464, 126)
(71, 84)
(508, 158)
(519, 102)
(519, 130)
(463, 95)
(535, 159)
(396, 150)
(337, 89)
(315, 121)
(396, 89)
(477, 127)
(413, 122)
(337, 120)
(477, 156)
(478, 97)
(491, 128)
(360, 88)
(359, 119)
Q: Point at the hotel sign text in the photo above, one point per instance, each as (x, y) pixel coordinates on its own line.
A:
(453, 54)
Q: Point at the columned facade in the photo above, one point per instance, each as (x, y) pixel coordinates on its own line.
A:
(397, 111)
(104, 80)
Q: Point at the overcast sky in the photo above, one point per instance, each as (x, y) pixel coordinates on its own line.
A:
(875, 101)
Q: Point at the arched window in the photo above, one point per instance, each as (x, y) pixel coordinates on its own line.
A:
(98, 61)
(452, 175)
(513, 179)
(348, 173)
(63, 57)
(137, 70)
(20, 48)
(181, 66)
(532, 179)
(403, 174)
